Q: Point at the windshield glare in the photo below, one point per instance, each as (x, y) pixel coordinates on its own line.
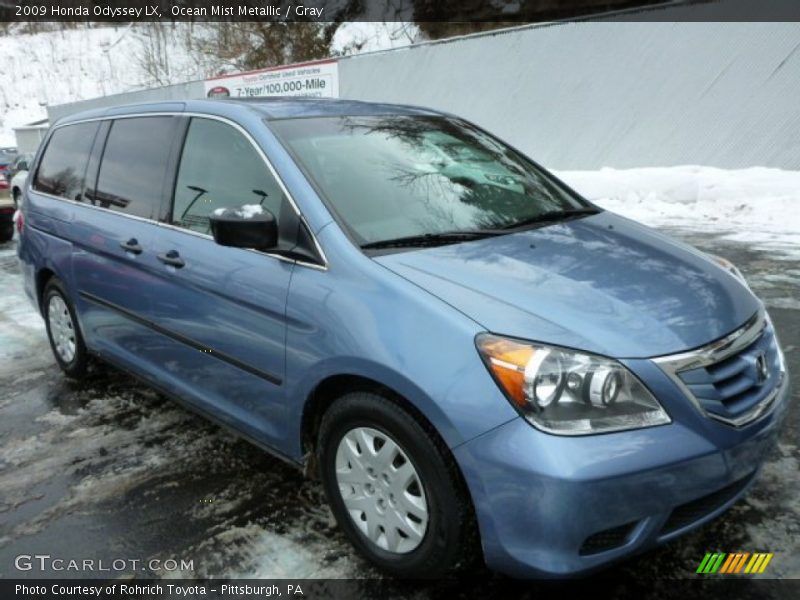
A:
(390, 177)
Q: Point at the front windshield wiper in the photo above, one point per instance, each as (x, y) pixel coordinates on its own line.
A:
(431, 239)
(452, 237)
(552, 216)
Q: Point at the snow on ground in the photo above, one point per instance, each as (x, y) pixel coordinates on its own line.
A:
(760, 206)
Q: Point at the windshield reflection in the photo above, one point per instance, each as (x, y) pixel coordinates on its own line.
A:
(397, 176)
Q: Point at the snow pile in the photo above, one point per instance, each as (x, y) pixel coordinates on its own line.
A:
(757, 205)
(246, 211)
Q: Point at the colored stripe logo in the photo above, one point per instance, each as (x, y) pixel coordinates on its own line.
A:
(733, 563)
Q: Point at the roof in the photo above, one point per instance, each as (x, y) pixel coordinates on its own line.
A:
(274, 108)
(286, 107)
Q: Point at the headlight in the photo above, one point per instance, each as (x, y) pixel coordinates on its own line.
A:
(730, 268)
(781, 357)
(567, 392)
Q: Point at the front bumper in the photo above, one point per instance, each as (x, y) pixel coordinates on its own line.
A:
(551, 506)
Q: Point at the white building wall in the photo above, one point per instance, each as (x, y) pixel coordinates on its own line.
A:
(591, 94)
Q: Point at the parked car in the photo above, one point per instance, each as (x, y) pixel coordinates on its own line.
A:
(6, 158)
(471, 369)
(20, 163)
(6, 219)
(17, 185)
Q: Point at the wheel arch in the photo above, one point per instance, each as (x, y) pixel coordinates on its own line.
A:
(329, 389)
(401, 392)
(43, 276)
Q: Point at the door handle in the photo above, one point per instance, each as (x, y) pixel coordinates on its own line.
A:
(132, 246)
(172, 258)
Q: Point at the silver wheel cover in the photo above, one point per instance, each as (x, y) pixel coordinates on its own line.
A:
(62, 330)
(381, 490)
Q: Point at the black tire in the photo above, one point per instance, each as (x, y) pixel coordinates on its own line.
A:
(450, 541)
(6, 233)
(74, 368)
(15, 194)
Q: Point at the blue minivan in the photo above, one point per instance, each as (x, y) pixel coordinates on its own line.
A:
(477, 362)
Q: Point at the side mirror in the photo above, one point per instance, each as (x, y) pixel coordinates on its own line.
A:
(248, 226)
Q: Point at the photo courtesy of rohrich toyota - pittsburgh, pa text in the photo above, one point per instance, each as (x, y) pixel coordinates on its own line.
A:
(399, 299)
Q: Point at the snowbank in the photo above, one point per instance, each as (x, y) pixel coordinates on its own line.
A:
(758, 205)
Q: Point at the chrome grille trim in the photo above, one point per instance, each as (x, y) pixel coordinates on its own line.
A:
(716, 352)
(719, 350)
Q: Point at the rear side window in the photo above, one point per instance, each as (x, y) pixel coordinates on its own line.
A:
(134, 165)
(63, 167)
(220, 168)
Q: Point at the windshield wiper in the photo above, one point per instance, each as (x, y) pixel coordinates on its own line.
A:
(553, 216)
(431, 239)
(452, 237)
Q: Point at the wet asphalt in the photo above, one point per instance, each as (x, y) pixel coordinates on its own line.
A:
(107, 469)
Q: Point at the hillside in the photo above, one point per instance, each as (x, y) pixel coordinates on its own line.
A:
(75, 64)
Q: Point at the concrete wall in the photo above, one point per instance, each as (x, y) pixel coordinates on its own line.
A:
(180, 91)
(592, 94)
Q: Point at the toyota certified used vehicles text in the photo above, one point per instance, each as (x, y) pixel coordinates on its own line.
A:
(475, 360)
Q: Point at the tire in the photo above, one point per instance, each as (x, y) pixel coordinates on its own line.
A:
(6, 233)
(444, 542)
(66, 340)
(15, 194)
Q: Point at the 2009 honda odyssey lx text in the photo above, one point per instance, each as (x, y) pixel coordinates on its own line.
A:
(476, 360)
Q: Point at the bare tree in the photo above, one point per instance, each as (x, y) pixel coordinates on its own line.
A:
(248, 45)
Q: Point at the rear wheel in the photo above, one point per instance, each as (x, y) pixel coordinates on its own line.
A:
(63, 332)
(394, 488)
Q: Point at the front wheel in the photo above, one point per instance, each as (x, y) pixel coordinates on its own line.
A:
(63, 332)
(394, 488)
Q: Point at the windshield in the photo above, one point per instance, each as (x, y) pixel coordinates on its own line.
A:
(390, 177)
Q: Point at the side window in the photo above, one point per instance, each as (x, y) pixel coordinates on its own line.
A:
(220, 168)
(134, 165)
(63, 167)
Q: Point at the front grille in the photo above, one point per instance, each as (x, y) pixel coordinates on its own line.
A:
(732, 387)
(693, 511)
(607, 539)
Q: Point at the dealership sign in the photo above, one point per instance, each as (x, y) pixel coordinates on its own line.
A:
(319, 79)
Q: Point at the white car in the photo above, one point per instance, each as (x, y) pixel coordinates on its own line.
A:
(17, 185)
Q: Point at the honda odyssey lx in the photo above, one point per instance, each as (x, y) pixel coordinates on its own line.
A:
(477, 362)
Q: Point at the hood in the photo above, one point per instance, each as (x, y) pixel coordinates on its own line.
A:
(602, 284)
